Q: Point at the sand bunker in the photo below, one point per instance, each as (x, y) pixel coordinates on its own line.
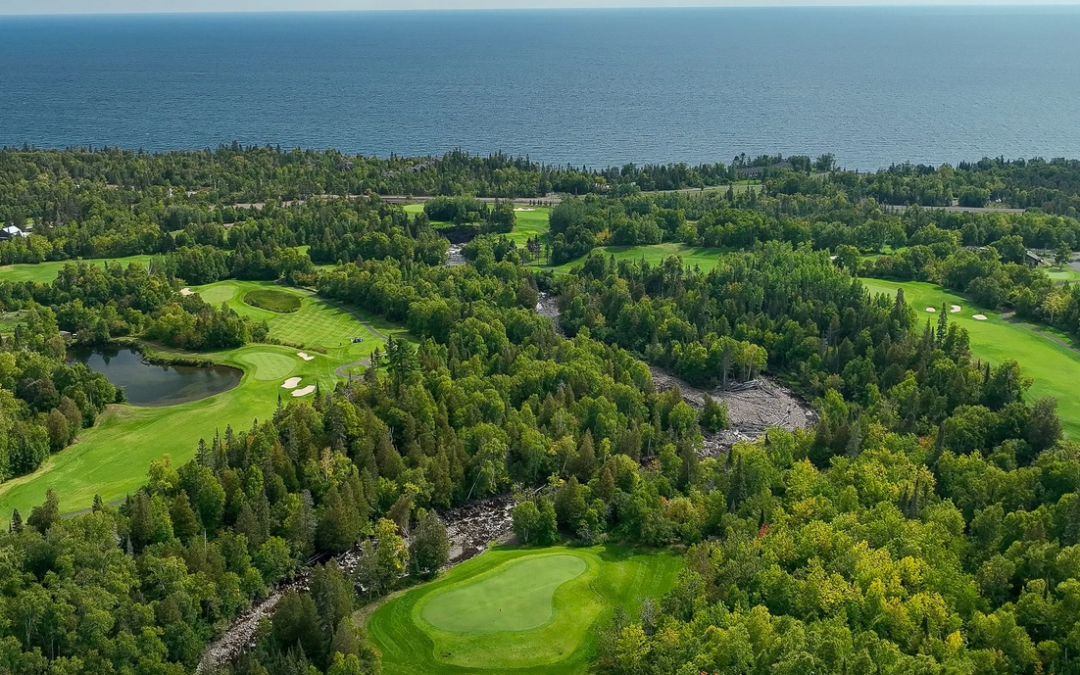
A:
(931, 309)
(524, 209)
(186, 291)
(304, 355)
(292, 383)
(954, 309)
(979, 317)
(305, 391)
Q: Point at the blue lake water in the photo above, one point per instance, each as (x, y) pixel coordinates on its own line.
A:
(873, 86)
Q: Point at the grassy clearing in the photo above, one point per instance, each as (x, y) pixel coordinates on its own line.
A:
(273, 300)
(704, 258)
(111, 458)
(513, 608)
(530, 224)
(1055, 367)
(46, 272)
(1060, 274)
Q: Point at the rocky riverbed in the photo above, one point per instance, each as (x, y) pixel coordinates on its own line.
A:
(471, 529)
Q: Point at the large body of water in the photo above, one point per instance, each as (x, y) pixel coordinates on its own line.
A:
(873, 86)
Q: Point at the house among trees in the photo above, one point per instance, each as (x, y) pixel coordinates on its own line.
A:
(1032, 259)
(10, 232)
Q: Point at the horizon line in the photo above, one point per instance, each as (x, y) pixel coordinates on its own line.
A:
(737, 4)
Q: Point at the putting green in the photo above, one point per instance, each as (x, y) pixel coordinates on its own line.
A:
(215, 294)
(516, 609)
(267, 365)
(517, 596)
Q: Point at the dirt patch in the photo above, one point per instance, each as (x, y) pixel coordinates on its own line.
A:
(753, 408)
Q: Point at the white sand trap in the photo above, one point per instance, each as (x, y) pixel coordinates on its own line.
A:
(524, 209)
(979, 317)
(931, 309)
(304, 355)
(954, 309)
(305, 391)
(292, 383)
(186, 291)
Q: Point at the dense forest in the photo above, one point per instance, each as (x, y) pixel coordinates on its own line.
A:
(929, 522)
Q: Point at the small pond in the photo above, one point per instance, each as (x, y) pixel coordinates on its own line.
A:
(149, 384)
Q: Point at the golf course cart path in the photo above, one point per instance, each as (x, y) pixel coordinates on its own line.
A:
(340, 370)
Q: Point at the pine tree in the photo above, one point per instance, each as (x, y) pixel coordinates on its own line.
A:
(16, 522)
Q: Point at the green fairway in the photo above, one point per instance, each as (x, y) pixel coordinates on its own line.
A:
(273, 300)
(111, 458)
(704, 258)
(46, 272)
(512, 608)
(1055, 367)
(529, 222)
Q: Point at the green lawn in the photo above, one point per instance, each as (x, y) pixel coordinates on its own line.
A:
(704, 258)
(529, 224)
(273, 300)
(530, 610)
(111, 458)
(530, 221)
(1056, 368)
(1062, 274)
(46, 272)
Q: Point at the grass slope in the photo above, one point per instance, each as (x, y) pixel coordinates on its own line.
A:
(1055, 367)
(111, 458)
(513, 608)
(273, 300)
(654, 254)
(46, 272)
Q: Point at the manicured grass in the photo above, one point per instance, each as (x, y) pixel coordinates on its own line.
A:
(516, 596)
(704, 258)
(1062, 274)
(514, 608)
(273, 300)
(529, 224)
(530, 221)
(1054, 367)
(46, 272)
(111, 458)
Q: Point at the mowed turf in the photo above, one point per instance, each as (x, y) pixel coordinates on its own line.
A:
(111, 458)
(706, 259)
(517, 596)
(273, 300)
(529, 221)
(1054, 366)
(46, 272)
(512, 609)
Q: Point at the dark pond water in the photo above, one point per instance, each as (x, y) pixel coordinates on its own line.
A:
(148, 384)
